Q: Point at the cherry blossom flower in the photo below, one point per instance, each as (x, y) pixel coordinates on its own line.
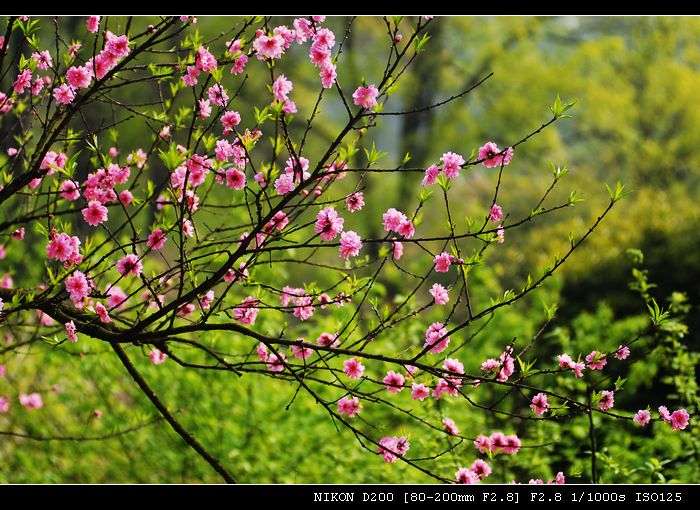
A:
(350, 244)
(450, 426)
(355, 202)
(71, 332)
(393, 382)
(466, 476)
(451, 164)
(93, 24)
(435, 338)
(623, 352)
(440, 294)
(4, 404)
(492, 156)
(31, 400)
(391, 447)
(679, 419)
(102, 313)
(642, 418)
(366, 96)
(77, 286)
(328, 340)
(156, 240)
(419, 391)
(353, 368)
(95, 213)
(329, 224)
(540, 404)
(157, 357)
(495, 213)
(596, 361)
(607, 400)
(431, 174)
(349, 406)
(247, 311)
(64, 94)
(130, 265)
(443, 261)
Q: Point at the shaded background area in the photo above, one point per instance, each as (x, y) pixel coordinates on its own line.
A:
(636, 120)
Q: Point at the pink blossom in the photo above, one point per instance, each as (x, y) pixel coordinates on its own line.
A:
(4, 401)
(284, 184)
(204, 108)
(397, 250)
(328, 340)
(355, 202)
(247, 311)
(450, 426)
(156, 240)
(679, 419)
(190, 77)
(217, 95)
(350, 244)
(431, 174)
(490, 365)
(446, 386)
(93, 23)
(43, 59)
(71, 332)
(393, 219)
(37, 86)
(235, 179)
(349, 406)
(393, 382)
(392, 447)
(607, 400)
(302, 29)
(77, 286)
(78, 77)
(642, 417)
(117, 46)
(466, 476)
(205, 60)
(511, 445)
(206, 300)
(540, 404)
(268, 47)
(419, 391)
(665, 414)
(275, 363)
(366, 96)
(262, 353)
(157, 357)
(95, 213)
(443, 262)
(304, 307)
(496, 213)
(451, 164)
(239, 64)
(281, 88)
(18, 234)
(328, 75)
(353, 368)
(187, 228)
(102, 313)
(623, 352)
(323, 36)
(279, 221)
(480, 468)
(596, 361)
(301, 352)
(440, 294)
(64, 94)
(125, 197)
(492, 156)
(63, 248)
(117, 297)
(435, 338)
(483, 443)
(229, 120)
(507, 363)
(329, 224)
(31, 400)
(24, 80)
(130, 264)
(406, 229)
(500, 235)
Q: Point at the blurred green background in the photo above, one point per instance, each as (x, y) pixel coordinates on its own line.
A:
(636, 120)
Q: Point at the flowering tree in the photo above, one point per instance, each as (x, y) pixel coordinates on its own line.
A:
(210, 248)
